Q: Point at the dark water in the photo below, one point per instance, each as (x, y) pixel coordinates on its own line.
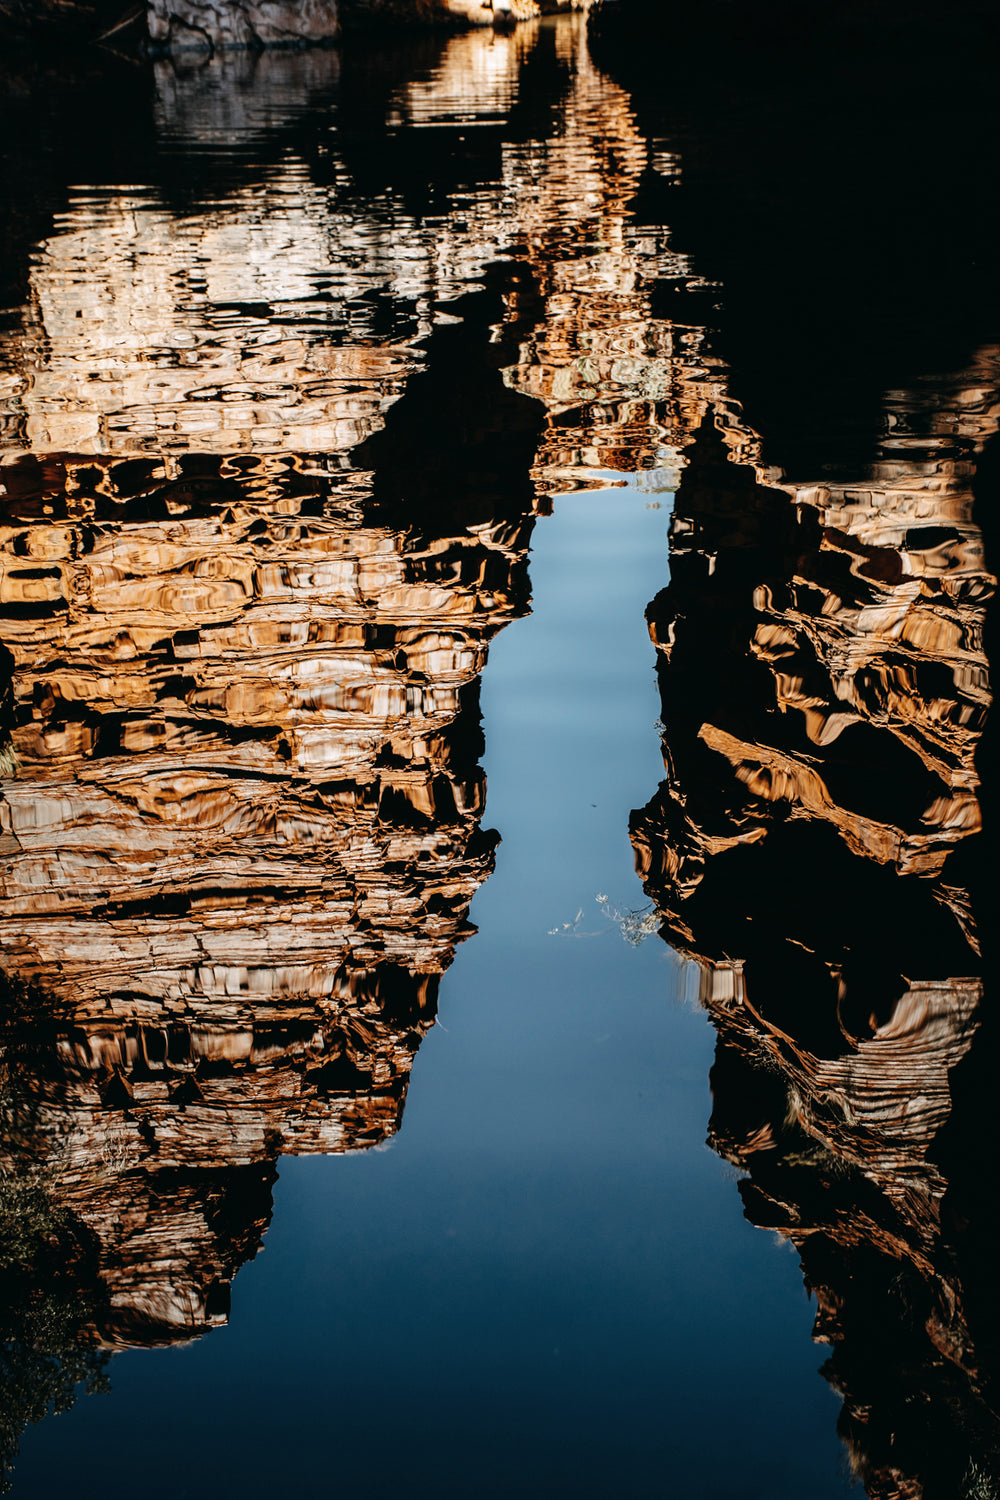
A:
(325, 377)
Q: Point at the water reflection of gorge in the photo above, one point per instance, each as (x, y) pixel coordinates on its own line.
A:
(272, 459)
(268, 494)
(818, 844)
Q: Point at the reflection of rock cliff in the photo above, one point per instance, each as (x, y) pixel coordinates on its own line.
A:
(281, 317)
(814, 848)
(245, 832)
(867, 625)
(244, 835)
(623, 388)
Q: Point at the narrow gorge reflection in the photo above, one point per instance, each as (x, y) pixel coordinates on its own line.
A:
(815, 849)
(238, 853)
(279, 407)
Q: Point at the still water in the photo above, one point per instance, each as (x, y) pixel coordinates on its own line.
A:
(470, 734)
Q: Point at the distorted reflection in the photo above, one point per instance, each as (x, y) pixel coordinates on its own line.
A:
(267, 497)
(277, 419)
(814, 849)
(817, 847)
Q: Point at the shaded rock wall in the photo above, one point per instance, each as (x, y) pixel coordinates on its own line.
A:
(211, 25)
(815, 847)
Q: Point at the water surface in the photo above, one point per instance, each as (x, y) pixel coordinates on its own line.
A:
(459, 754)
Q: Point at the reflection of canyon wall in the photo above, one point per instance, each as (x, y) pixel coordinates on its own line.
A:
(149, 335)
(245, 831)
(266, 502)
(814, 847)
(623, 388)
(255, 323)
(255, 542)
(244, 835)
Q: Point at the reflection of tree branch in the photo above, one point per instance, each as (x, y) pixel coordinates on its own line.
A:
(634, 924)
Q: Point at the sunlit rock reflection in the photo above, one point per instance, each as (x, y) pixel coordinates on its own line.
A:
(815, 848)
(138, 339)
(623, 388)
(273, 443)
(266, 500)
(252, 322)
(244, 835)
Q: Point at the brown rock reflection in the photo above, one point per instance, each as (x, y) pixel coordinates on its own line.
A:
(622, 387)
(273, 444)
(238, 852)
(267, 494)
(815, 849)
(243, 838)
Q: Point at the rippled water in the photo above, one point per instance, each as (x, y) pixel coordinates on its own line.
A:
(492, 626)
